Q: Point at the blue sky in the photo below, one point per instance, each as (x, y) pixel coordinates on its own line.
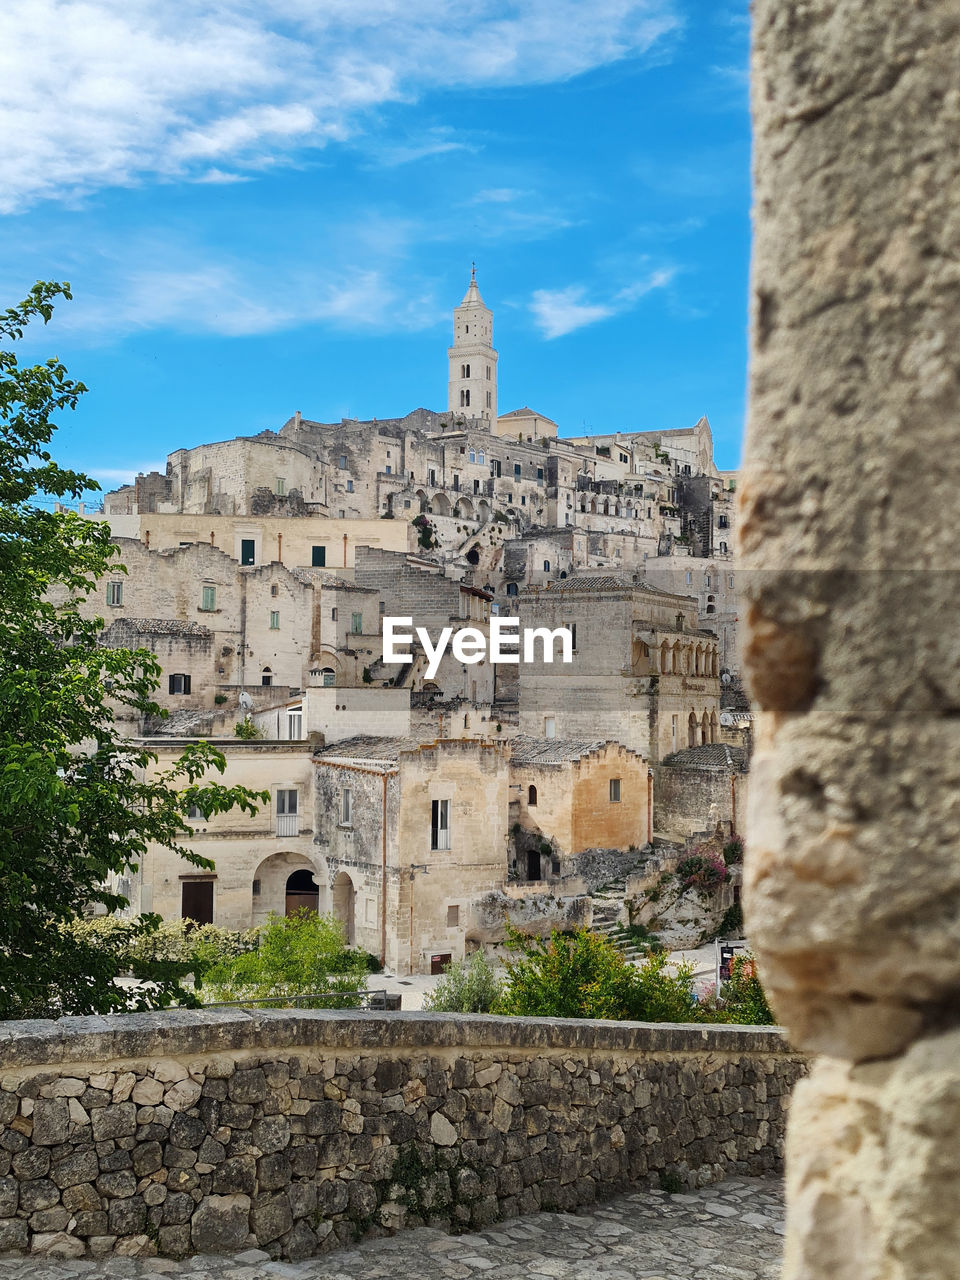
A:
(271, 207)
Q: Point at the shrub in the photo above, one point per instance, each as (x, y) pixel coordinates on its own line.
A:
(246, 730)
(297, 956)
(170, 949)
(582, 975)
(703, 869)
(465, 986)
(733, 852)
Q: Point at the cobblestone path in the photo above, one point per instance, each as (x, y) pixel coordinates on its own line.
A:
(731, 1231)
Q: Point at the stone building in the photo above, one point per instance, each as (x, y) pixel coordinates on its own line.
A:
(409, 834)
(702, 787)
(642, 667)
(575, 796)
(259, 860)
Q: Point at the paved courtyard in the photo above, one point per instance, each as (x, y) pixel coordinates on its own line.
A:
(731, 1231)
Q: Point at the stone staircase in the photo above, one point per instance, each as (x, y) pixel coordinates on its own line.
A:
(607, 903)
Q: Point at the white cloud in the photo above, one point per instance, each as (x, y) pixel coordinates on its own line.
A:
(560, 311)
(105, 92)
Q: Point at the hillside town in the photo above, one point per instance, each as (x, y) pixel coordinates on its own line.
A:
(428, 801)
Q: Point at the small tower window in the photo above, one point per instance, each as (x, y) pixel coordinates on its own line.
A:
(531, 796)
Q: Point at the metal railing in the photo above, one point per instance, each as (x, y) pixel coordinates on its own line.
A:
(288, 824)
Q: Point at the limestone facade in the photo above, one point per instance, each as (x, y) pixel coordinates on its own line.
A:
(641, 662)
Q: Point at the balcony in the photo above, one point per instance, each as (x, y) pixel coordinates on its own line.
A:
(288, 824)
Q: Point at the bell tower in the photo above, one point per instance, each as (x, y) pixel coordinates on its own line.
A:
(472, 387)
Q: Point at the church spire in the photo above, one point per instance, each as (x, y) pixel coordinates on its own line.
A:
(472, 295)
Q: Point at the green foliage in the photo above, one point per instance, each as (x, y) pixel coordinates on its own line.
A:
(297, 956)
(79, 805)
(641, 936)
(703, 870)
(220, 699)
(246, 730)
(367, 677)
(733, 852)
(166, 948)
(731, 926)
(672, 1183)
(581, 975)
(466, 986)
(743, 999)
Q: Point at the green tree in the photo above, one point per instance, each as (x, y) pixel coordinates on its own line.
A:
(465, 986)
(296, 956)
(79, 804)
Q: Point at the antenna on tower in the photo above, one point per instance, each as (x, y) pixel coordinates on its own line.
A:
(473, 273)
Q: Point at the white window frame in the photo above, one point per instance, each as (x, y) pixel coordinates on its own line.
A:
(440, 825)
(288, 811)
(346, 807)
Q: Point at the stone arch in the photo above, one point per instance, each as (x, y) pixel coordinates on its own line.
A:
(423, 501)
(483, 511)
(440, 504)
(464, 509)
(270, 880)
(302, 892)
(344, 896)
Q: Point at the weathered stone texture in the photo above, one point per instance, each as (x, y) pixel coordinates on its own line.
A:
(849, 555)
(319, 1127)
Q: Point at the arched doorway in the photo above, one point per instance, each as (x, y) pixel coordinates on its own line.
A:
(345, 905)
(533, 864)
(302, 893)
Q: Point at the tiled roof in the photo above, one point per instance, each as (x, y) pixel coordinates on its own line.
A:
(161, 627)
(526, 750)
(367, 747)
(323, 579)
(711, 755)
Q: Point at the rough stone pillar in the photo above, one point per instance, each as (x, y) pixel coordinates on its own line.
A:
(850, 546)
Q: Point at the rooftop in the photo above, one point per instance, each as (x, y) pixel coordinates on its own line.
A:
(711, 755)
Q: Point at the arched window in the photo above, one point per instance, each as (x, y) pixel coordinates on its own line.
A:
(511, 588)
(467, 401)
(546, 566)
(531, 795)
(467, 373)
(329, 676)
(266, 676)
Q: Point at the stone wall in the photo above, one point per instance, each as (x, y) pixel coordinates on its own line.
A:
(186, 1132)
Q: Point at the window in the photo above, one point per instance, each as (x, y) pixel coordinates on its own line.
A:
(614, 790)
(488, 373)
(114, 593)
(511, 588)
(473, 455)
(440, 824)
(288, 819)
(194, 812)
(356, 624)
(516, 471)
(729, 579)
(708, 579)
(346, 807)
(432, 476)
(281, 487)
(196, 901)
(333, 615)
(496, 467)
(539, 475)
(266, 676)
(389, 468)
(329, 677)
(208, 599)
(489, 399)
(531, 796)
(480, 457)
(179, 683)
(274, 589)
(723, 548)
(689, 578)
(549, 727)
(546, 566)
(274, 619)
(349, 486)
(295, 724)
(248, 551)
(343, 462)
(453, 917)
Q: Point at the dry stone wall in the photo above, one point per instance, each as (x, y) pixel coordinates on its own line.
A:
(190, 1132)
